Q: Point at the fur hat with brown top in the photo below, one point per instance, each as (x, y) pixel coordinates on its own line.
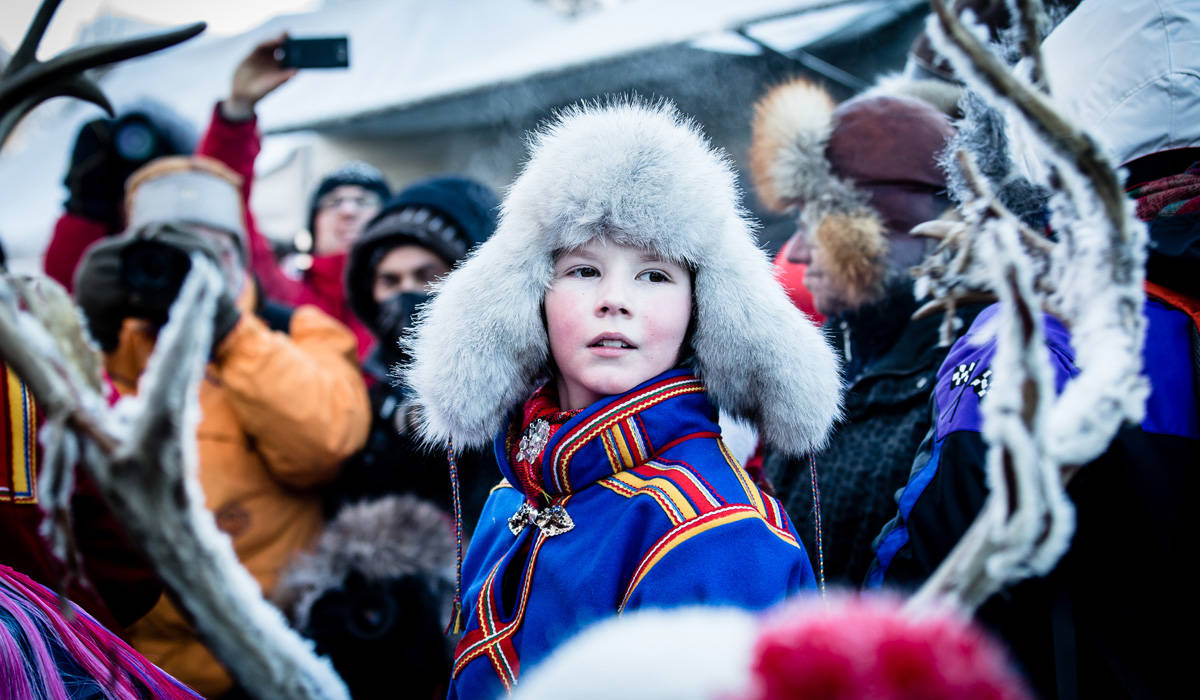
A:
(860, 172)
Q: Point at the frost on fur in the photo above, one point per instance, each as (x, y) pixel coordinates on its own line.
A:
(639, 174)
(1090, 276)
(142, 456)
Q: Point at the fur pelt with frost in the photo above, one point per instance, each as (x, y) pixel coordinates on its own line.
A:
(638, 174)
(846, 646)
(388, 538)
(982, 133)
(686, 654)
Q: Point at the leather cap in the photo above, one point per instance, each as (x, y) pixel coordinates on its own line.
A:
(889, 147)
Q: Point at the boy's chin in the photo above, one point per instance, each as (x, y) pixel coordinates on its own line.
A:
(594, 388)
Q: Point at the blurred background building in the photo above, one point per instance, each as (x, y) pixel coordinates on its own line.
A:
(453, 85)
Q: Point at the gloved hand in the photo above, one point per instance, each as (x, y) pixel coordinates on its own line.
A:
(180, 239)
(106, 153)
(100, 293)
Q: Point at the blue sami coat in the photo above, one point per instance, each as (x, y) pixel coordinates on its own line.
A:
(1101, 623)
(663, 516)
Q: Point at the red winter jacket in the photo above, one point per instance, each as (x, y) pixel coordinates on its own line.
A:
(237, 144)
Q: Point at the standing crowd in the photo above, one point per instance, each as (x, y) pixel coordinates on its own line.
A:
(542, 378)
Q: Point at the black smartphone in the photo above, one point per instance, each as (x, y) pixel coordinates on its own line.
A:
(315, 52)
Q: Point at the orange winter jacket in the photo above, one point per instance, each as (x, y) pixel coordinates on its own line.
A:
(279, 413)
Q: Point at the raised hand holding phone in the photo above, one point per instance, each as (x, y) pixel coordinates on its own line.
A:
(255, 77)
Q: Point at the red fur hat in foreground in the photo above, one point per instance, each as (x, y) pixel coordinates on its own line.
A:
(867, 647)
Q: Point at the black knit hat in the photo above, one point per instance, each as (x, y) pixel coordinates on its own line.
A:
(447, 215)
(355, 172)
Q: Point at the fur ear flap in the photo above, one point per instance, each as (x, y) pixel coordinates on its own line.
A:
(759, 356)
(856, 250)
(481, 344)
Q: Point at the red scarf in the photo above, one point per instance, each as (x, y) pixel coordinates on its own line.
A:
(1169, 196)
(543, 404)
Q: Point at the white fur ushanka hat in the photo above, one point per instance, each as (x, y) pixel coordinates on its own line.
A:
(642, 175)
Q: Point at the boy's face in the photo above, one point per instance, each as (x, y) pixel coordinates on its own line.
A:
(616, 316)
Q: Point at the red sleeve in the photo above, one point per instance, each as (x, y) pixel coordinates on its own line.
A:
(236, 144)
(72, 236)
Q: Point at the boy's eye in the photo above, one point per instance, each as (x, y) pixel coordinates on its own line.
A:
(583, 271)
(654, 276)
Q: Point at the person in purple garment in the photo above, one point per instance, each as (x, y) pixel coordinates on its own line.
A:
(1100, 624)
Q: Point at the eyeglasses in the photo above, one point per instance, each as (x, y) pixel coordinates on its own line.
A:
(358, 201)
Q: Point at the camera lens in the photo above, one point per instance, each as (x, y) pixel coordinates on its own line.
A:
(153, 272)
(135, 139)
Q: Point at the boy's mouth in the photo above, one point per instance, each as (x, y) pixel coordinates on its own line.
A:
(612, 340)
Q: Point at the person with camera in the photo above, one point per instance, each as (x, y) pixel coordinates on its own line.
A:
(339, 207)
(105, 153)
(280, 411)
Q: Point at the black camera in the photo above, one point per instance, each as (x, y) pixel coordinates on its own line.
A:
(153, 273)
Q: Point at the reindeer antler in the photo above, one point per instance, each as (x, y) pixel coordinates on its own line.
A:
(1089, 276)
(27, 82)
(142, 453)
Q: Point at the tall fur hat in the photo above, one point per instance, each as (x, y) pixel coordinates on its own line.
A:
(637, 174)
(859, 170)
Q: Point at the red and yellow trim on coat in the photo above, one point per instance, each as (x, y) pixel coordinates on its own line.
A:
(18, 479)
(768, 507)
(623, 440)
(679, 491)
(724, 515)
(491, 637)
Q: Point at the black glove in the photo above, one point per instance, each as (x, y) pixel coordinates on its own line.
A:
(100, 293)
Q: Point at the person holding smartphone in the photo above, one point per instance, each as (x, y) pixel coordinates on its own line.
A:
(339, 207)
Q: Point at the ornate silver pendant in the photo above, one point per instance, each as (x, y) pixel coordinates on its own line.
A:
(551, 520)
(533, 441)
(521, 518)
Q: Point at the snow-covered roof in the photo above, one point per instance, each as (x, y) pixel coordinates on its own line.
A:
(406, 53)
(412, 63)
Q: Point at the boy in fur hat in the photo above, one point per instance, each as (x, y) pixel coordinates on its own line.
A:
(591, 340)
(862, 174)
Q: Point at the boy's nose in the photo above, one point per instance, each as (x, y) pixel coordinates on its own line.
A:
(613, 300)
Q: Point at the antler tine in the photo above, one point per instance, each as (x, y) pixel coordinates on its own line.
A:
(36, 75)
(80, 86)
(1029, 18)
(27, 52)
(1064, 137)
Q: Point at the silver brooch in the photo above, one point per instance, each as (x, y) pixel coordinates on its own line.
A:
(551, 520)
(533, 441)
